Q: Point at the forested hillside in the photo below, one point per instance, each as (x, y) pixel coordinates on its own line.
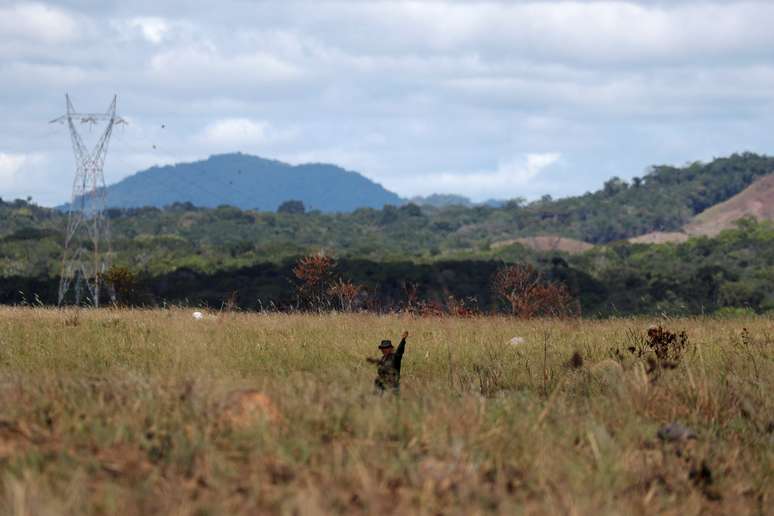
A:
(183, 235)
(212, 242)
(664, 199)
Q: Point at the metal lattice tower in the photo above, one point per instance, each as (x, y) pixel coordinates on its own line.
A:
(87, 249)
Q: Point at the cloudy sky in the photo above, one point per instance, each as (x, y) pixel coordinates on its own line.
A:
(485, 99)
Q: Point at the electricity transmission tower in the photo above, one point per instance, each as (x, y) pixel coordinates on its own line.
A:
(86, 255)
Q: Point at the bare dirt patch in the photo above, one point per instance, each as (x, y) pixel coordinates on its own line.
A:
(547, 243)
(660, 237)
(757, 200)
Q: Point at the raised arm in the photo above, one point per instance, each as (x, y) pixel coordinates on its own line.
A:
(402, 345)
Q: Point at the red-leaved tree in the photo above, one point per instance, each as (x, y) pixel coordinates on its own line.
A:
(530, 294)
(314, 275)
(318, 288)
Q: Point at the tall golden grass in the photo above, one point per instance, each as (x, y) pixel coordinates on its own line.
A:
(129, 412)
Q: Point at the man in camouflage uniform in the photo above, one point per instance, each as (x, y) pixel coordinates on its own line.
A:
(388, 366)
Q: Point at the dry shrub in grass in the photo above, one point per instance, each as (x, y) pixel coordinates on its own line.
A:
(462, 307)
(576, 360)
(668, 346)
(432, 308)
(660, 348)
(415, 306)
(345, 293)
(530, 294)
(317, 288)
(314, 276)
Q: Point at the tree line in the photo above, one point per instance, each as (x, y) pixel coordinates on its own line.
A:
(734, 271)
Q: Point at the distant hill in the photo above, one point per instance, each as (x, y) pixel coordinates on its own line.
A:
(249, 182)
(757, 201)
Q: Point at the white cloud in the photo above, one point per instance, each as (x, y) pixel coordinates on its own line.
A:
(17, 169)
(10, 165)
(598, 31)
(235, 132)
(511, 178)
(37, 22)
(205, 67)
(152, 29)
(232, 134)
(53, 75)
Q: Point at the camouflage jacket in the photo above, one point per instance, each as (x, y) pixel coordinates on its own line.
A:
(388, 369)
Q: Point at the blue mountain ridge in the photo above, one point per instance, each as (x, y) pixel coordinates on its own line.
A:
(249, 182)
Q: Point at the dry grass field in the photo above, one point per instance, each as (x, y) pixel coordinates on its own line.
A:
(143, 412)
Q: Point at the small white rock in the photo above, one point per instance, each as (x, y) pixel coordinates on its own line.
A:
(198, 316)
(517, 341)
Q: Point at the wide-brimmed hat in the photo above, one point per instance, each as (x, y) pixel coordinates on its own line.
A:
(385, 344)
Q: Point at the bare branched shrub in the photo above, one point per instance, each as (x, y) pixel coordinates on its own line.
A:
(416, 306)
(314, 276)
(431, 309)
(435, 308)
(530, 294)
(462, 307)
(345, 293)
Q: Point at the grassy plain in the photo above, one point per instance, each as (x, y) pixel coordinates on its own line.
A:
(132, 412)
